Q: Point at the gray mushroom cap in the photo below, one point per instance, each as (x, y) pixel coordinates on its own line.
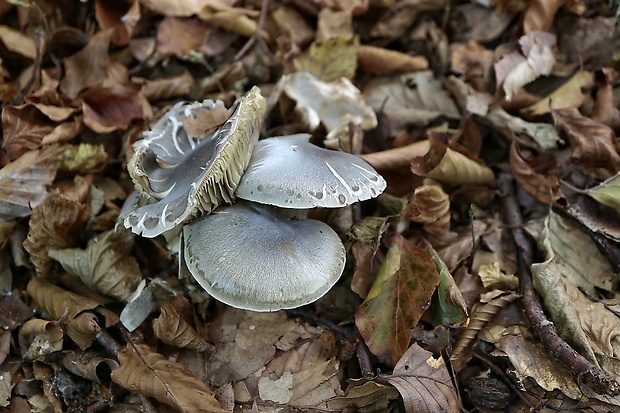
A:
(247, 256)
(290, 172)
(180, 176)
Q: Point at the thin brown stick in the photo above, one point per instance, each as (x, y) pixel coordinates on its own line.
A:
(258, 34)
(598, 380)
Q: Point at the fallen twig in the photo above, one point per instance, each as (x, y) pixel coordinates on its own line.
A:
(598, 380)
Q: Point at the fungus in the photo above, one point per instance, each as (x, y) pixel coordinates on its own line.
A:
(264, 262)
(290, 172)
(181, 176)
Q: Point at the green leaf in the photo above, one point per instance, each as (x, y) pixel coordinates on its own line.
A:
(448, 308)
(398, 298)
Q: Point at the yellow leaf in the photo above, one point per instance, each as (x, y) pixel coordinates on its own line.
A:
(330, 59)
(608, 192)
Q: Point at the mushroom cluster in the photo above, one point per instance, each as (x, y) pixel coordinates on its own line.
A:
(240, 204)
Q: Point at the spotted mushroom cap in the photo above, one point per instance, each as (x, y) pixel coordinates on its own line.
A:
(181, 176)
(290, 172)
(249, 257)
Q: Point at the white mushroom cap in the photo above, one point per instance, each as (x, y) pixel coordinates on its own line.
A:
(181, 176)
(249, 258)
(290, 172)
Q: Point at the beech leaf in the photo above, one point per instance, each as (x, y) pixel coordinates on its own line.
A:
(151, 374)
(172, 329)
(397, 299)
(23, 181)
(105, 265)
(424, 382)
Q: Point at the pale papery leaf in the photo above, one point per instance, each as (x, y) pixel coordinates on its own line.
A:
(23, 129)
(151, 374)
(105, 265)
(23, 182)
(424, 382)
(18, 42)
(56, 223)
(397, 299)
(592, 143)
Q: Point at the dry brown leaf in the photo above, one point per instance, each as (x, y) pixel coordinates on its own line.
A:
(366, 397)
(58, 303)
(83, 329)
(430, 206)
(151, 374)
(121, 16)
(592, 143)
(446, 165)
(424, 382)
(377, 60)
(537, 176)
(293, 24)
(394, 25)
(23, 182)
(233, 19)
(171, 328)
(474, 61)
(333, 24)
(366, 269)
(179, 36)
(605, 110)
(183, 8)
(56, 223)
(23, 129)
(571, 94)
(539, 14)
(65, 131)
(107, 109)
(205, 122)
(88, 67)
(105, 265)
(167, 88)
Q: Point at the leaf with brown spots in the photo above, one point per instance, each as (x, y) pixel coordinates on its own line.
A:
(396, 301)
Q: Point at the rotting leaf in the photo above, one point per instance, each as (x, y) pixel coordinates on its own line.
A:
(23, 182)
(151, 374)
(330, 59)
(56, 223)
(592, 143)
(424, 382)
(171, 328)
(396, 301)
(105, 265)
(608, 192)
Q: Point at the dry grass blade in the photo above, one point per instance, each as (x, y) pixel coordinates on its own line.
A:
(153, 375)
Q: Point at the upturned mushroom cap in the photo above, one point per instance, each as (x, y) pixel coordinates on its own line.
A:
(247, 257)
(290, 172)
(182, 176)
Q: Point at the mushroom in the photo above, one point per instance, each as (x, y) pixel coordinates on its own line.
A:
(290, 172)
(181, 176)
(249, 257)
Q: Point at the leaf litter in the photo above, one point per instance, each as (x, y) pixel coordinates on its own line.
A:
(436, 310)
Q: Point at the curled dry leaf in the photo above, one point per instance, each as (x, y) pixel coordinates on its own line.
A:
(171, 328)
(105, 265)
(380, 61)
(17, 42)
(23, 182)
(537, 176)
(424, 382)
(56, 223)
(121, 17)
(89, 365)
(448, 166)
(396, 301)
(23, 129)
(481, 314)
(535, 135)
(153, 375)
(430, 206)
(592, 143)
